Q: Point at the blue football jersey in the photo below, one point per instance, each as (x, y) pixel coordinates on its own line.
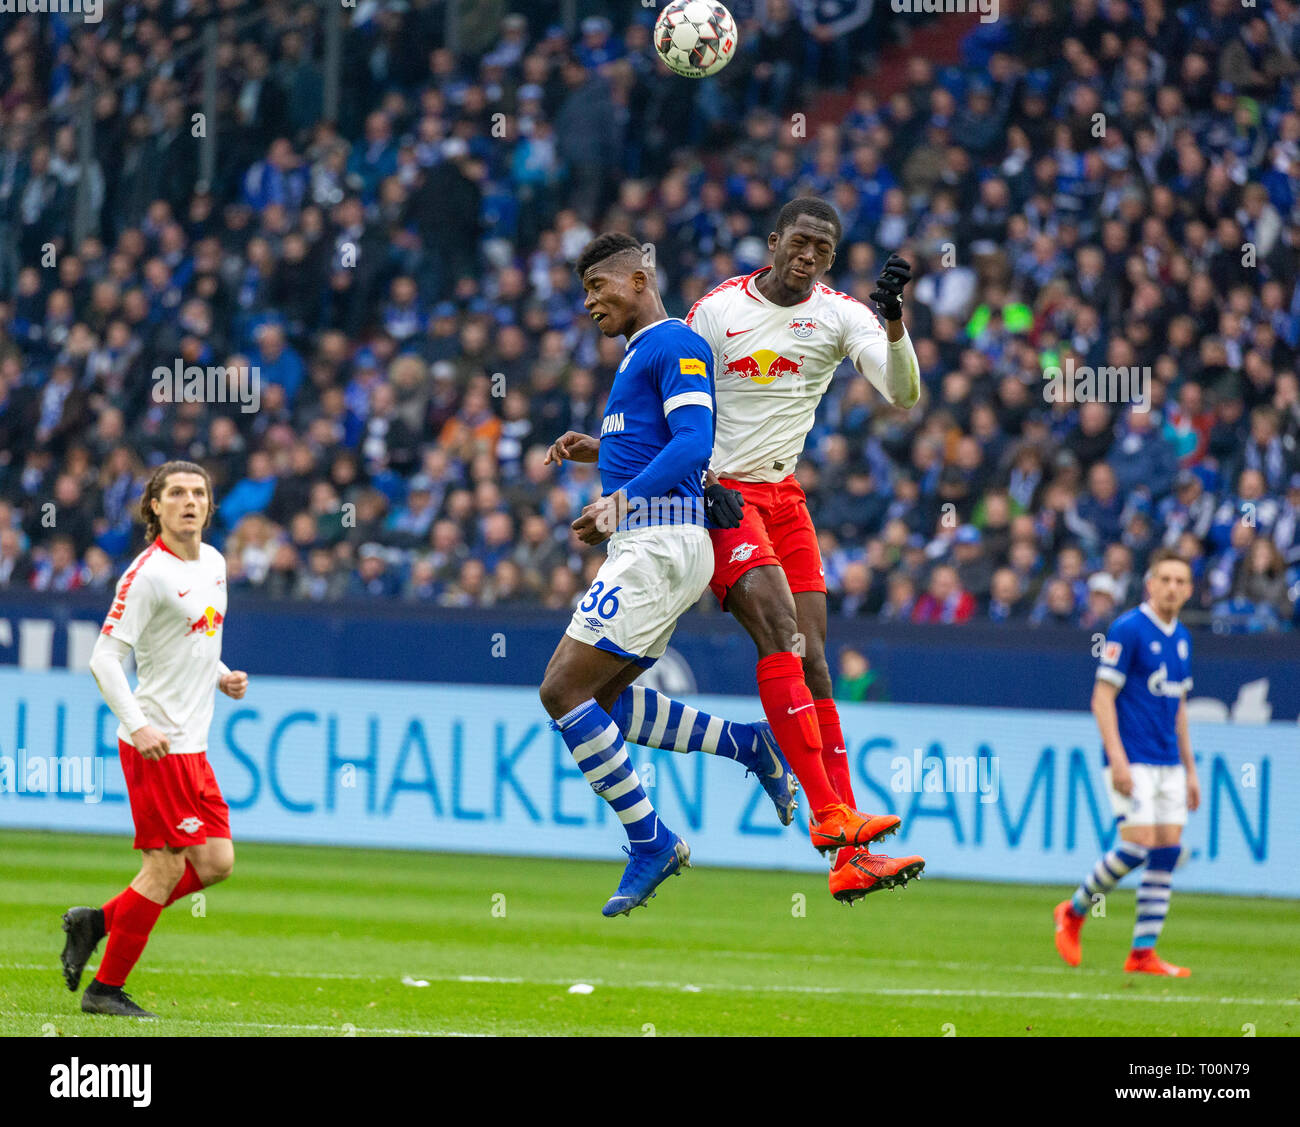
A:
(666, 365)
(1152, 665)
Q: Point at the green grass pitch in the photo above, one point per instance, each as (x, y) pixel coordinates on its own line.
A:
(340, 942)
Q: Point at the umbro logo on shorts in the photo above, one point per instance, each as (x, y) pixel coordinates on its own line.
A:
(190, 825)
(594, 624)
(741, 552)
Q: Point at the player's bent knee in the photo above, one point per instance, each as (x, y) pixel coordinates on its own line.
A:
(163, 868)
(217, 874)
(554, 695)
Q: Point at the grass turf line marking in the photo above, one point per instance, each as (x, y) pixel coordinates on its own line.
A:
(744, 988)
(336, 1029)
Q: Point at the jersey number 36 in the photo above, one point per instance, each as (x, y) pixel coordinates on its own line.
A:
(606, 605)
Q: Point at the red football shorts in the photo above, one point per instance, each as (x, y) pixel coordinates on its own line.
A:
(175, 800)
(775, 529)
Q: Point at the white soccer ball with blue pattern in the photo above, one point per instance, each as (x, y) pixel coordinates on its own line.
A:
(695, 38)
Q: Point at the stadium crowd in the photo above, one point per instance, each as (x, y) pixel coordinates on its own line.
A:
(1098, 184)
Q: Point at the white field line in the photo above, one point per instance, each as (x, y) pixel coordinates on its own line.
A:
(722, 988)
(339, 1030)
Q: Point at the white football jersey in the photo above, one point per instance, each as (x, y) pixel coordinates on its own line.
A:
(170, 611)
(773, 363)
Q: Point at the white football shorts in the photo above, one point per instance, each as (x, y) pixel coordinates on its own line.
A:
(649, 579)
(1159, 796)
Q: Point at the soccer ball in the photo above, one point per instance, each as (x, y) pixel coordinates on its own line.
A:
(695, 38)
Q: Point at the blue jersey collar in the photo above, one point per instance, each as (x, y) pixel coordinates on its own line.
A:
(652, 325)
(1149, 611)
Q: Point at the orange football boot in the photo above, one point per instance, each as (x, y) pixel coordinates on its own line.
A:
(841, 825)
(1146, 961)
(864, 872)
(1068, 926)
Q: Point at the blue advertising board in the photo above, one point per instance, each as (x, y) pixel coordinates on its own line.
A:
(1249, 679)
(991, 794)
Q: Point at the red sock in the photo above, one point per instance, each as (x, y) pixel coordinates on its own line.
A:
(789, 708)
(110, 910)
(834, 754)
(134, 916)
(188, 883)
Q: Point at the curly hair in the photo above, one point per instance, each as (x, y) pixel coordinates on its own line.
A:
(157, 480)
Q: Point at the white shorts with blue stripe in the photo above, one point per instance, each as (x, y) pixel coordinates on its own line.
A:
(650, 578)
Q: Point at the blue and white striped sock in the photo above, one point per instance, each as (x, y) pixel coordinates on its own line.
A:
(650, 719)
(1153, 896)
(1110, 870)
(597, 747)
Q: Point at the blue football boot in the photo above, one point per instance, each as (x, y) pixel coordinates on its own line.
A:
(644, 873)
(773, 772)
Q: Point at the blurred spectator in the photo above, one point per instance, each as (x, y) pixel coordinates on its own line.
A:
(401, 283)
(857, 681)
(944, 599)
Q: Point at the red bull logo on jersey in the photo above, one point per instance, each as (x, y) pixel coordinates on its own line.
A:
(208, 623)
(763, 366)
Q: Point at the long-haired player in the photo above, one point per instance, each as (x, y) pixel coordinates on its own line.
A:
(169, 609)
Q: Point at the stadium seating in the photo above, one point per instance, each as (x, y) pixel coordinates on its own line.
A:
(401, 281)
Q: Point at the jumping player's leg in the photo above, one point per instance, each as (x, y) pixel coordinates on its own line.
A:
(650, 577)
(760, 600)
(855, 870)
(810, 620)
(648, 718)
(575, 674)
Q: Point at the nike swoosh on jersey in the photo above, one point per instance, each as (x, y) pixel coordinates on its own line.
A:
(738, 332)
(182, 594)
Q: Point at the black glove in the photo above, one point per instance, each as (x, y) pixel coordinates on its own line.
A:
(722, 506)
(888, 294)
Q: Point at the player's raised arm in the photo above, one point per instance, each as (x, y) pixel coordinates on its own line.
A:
(889, 360)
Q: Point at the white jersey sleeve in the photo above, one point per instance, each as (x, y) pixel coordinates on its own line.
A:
(133, 605)
(891, 366)
(106, 667)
